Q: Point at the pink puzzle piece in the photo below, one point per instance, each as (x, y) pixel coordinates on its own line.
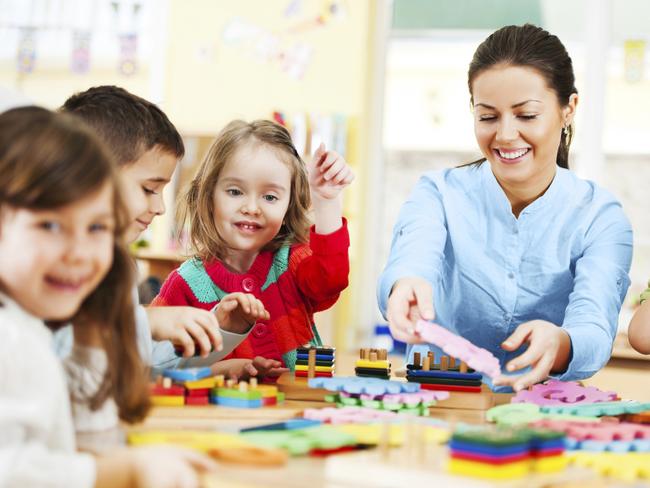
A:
(349, 415)
(555, 392)
(597, 431)
(412, 399)
(458, 347)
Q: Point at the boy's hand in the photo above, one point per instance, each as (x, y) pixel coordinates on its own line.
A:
(185, 327)
(238, 312)
(549, 350)
(329, 173)
(243, 369)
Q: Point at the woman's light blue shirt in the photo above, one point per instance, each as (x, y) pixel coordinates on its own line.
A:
(565, 260)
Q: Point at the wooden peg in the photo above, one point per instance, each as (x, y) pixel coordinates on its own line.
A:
(230, 383)
(253, 382)
(416, 359)
(159, 380)
(167, 382)
(373, 356)
(243, 386)
(452, 362)
(426, 366)
(444, 363)
(311, 363)
(382, 354)
(362, 353)
(463, 367)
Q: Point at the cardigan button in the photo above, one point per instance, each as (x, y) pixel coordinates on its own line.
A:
(259, 330)
(248, 284)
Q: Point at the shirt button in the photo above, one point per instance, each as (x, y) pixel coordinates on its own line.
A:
(511, 275)
(259, 330)
(248, 284)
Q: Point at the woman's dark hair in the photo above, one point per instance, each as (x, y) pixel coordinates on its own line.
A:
(49, 160)
(530, 46)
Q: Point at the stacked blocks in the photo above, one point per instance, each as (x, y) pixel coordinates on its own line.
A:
(197, 386)
(321, 360)
(446, 375)
(245, 395)
(506, 453)
(373, 363)
(178, 387)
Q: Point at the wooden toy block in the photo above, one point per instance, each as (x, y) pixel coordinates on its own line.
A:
(188, 374)
(203, 392)
(361, 363)
(319, 357)
(290, 424)
(317, 374)
(305, 363)
(443, 382)
(483, 400)
(197, 400)
(237, 402)
(237, 394)
(330, 351)
(200, 384)
(455, 346)
(167, 401)
(317, 369)
(562, 393)
(172, 390)
(167, 382)
(445, 375)
(481, 470)
(455, 388)
(416, 359)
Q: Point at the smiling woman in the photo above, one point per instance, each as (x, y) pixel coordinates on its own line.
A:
(513, 251)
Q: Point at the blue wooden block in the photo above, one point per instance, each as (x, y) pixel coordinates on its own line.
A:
(236, 402)
(290, 424)
(319, 357)
(489, 450)
(445, 374)
(187, 374)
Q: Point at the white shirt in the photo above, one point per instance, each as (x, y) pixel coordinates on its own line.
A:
(37, 443)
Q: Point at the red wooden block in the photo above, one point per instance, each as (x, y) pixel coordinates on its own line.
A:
(197, 400)
(327, 452)
(317, 374)
(268, 401)
(203, 392)
(174, 390)
(467, 389)
(485, 458)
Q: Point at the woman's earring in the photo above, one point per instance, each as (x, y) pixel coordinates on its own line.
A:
(565, 130)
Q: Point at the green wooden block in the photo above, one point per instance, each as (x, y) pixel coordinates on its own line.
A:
(240, 395)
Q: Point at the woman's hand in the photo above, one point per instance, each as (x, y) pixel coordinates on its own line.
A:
(410, 300)
(549, 349)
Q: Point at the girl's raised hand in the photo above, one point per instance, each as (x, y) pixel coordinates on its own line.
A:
(238, 312)
(329, 173)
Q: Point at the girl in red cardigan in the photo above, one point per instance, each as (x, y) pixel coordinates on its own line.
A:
(249, 228)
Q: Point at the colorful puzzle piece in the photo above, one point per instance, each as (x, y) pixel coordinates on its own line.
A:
(555, 392)
(598, 409)
(348, 415)
(370, 386)
(290, 424)
(601, 436)
(477, 358)
(525, 413)
(627, 467)
(301, 441)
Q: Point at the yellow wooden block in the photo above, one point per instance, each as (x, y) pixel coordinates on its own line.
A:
(167, 401)
(371, 434)
(322, 369)
(493, 472)
(201, 384)
(363, 363)
(268, 391)
(550, 464)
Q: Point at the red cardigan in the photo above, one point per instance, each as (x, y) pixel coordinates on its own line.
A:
(293, 283)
